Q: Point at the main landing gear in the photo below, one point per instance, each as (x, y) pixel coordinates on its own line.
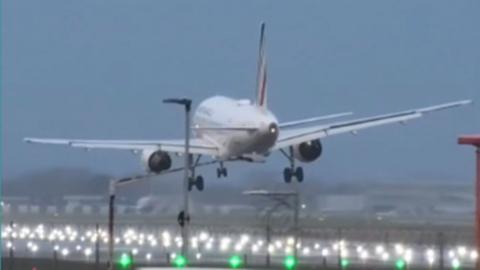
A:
(222, 171)
(197, 181)
(292, 171)
(289, 173)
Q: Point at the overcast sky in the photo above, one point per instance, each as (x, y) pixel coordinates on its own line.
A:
(99, 69)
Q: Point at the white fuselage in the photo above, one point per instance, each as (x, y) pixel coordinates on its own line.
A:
(237, 127)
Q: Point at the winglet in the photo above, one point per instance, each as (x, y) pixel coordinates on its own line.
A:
(445, 106)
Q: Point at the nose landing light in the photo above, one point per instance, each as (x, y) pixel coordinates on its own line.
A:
(273, 128)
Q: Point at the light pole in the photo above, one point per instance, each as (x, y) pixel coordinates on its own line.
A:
(280, 197)
(441, 252)
(474, 140)
(340, 247)
(114, 183)
(269, 230)
(97, 248)
(55, 259)
(10, 248)
(184, 223)
(295, 220)
(111, 212)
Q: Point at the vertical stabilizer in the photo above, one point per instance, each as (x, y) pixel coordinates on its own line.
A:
(261, 98)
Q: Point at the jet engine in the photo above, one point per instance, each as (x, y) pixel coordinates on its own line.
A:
(308, 151)
(156, 160)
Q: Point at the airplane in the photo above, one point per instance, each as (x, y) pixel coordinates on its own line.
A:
(228, 129)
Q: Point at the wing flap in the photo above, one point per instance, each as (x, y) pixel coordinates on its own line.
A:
(313, 119)
(227, 128)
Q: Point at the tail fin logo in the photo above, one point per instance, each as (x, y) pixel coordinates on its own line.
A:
(262, 71)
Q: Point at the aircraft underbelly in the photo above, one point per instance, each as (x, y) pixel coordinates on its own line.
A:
(250, 144)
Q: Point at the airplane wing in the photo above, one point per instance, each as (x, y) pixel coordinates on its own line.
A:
(197, 146)
(296, 136)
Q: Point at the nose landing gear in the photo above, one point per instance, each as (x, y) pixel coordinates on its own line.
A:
(292, 171)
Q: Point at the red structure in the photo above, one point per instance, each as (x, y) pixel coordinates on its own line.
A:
(474, 140)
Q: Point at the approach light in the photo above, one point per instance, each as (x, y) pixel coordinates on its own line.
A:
(180, 261)
(400, 264)
(235, 261)
(455, 264)
(344, 263)
(125, 261)
(290, 262)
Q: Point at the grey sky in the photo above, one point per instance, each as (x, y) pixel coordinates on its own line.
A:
(99, 69)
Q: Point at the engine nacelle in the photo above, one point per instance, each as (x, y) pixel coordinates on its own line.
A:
(308, 151)
(156, 160)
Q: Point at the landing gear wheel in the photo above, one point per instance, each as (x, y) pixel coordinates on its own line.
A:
(287, 175)
(299, 174)
(222, 171)
(199, 183)
(292, 170)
